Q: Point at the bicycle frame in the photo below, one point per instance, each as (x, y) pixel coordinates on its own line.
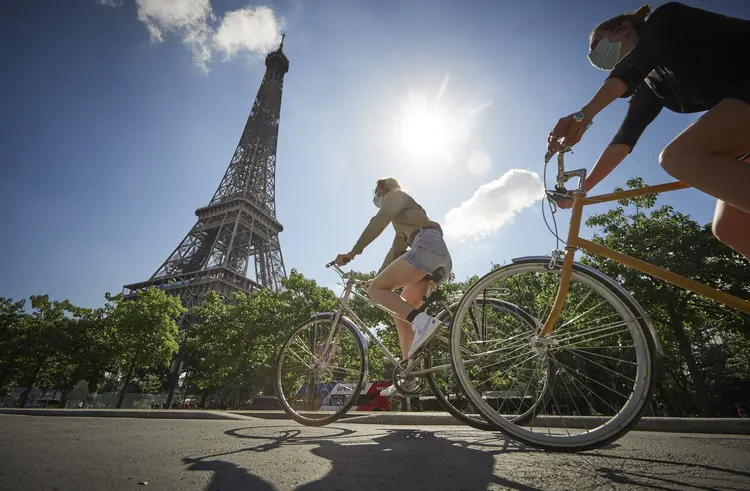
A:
(576, 242)
(358, 323)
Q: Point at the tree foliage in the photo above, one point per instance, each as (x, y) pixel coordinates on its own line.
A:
(145, 331)
(231, 345)
(706, 342)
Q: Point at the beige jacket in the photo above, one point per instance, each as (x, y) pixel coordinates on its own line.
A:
(407, 217)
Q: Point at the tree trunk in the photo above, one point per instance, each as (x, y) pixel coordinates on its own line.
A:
(63, 398)
(76, 375)
(702, 398)
(30, 384)
(6, 374)
(127, 381)
(65, 392)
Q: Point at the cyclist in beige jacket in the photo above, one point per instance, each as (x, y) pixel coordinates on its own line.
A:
(417, 260)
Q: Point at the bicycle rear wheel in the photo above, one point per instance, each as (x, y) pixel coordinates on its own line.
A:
(601, 352)
(444, 384)
(320, 371)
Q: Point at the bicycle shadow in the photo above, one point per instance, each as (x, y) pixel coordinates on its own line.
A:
(410, 459)
(455, 459)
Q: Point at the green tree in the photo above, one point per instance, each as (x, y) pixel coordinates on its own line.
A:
(12, 333)
(233, 346)
(690, 326)
(144, 331)
(45, 329)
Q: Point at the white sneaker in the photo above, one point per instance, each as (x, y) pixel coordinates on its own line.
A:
(408, 385)
(388, 391)
(424, 327)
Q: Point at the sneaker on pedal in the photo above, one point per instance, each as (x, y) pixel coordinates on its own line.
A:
(408, 385)
(388, 391)
(424, 327)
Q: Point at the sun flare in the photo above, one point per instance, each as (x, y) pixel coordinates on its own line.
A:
(429, 127)
(423, 129)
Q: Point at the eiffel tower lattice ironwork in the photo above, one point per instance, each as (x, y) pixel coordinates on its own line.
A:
(240, 221)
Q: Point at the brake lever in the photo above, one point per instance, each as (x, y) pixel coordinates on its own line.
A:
(559, 195)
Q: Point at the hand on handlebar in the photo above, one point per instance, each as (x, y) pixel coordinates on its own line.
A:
(566, 133)
(343, 259)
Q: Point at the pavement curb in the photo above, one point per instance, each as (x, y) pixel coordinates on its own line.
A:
(727, 426)
(126, 413)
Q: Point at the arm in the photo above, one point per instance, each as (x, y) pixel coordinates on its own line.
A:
(608, 160)
(567, 132)
(611, 90)
(643, 108)
(392, 205)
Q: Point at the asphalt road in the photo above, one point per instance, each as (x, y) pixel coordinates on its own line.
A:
(111, 454)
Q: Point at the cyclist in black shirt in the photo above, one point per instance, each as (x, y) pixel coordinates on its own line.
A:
(687, 60)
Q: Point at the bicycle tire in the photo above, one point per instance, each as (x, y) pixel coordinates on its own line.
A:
(638, 324)
(480, 424)
(288, 409)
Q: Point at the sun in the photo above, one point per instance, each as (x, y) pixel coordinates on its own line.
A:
(424, 128)
(432, 127)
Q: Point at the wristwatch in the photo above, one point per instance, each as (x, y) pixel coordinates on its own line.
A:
(579, 116)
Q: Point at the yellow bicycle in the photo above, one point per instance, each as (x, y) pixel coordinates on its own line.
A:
(592, 353)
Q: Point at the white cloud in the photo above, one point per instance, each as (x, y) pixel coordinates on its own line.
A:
(110, 3)
(479, 163)
(494, 204)
(253, 29)
(187, 18)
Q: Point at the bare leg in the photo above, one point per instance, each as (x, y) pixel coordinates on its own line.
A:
(399, 273)
(705, 154)
(732, 226)
(414, 296)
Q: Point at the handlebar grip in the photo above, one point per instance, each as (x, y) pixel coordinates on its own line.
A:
(333, 263)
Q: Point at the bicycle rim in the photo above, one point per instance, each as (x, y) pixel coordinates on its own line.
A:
(445, 385)
(320, 375)
(600, 364)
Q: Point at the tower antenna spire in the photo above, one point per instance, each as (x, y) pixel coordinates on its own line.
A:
(283, 35)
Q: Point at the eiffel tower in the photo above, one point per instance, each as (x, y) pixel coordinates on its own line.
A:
(240, 221)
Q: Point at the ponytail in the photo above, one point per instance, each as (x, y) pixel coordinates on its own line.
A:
(637, 18)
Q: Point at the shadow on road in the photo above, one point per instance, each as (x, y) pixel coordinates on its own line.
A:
(670, 474)
(407, 459)
(228, 476)
(456, 460)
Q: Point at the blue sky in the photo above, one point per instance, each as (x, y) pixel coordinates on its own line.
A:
(112, 139)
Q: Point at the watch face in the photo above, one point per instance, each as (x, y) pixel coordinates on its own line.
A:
(579, 116)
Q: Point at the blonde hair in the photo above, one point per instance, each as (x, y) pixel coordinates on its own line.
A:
(637, 18)
(388, 184)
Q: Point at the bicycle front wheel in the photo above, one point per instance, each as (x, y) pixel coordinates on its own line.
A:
(593, 374)
(320, 371)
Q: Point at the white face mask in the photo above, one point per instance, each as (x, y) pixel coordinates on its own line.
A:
(607, 53)
(377, 200)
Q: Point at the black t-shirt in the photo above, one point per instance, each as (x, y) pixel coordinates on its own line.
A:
(686, 60)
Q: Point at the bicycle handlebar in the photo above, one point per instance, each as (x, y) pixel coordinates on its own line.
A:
(336, 268)
(562, 177)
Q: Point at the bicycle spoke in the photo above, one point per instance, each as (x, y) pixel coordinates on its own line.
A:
(619, 360)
